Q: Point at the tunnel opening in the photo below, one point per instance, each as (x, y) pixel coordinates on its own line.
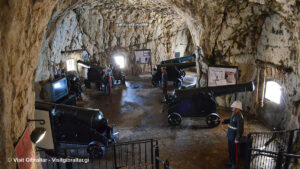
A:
(71, 65)
(119, 61)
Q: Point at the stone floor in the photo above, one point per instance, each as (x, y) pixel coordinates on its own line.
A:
(136, 109)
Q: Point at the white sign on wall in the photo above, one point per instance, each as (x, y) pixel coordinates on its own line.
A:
(221, 76)
(143, 56)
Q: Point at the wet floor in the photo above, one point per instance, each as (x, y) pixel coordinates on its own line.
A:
(136, 109)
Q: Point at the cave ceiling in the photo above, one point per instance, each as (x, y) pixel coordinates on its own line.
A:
(161, 7)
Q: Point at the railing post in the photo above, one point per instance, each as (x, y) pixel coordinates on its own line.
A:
(279, 160)
(115, 157)
(289, 148)
(248, 153)
(68, 164)
(152, 148)
(57, 165)
(156, 156)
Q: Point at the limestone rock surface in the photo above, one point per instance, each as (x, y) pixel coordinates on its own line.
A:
(236, 33)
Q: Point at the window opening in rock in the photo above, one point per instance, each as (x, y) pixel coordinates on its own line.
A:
(71, 65)
(273, 91)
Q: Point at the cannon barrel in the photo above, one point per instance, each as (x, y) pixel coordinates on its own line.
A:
(179, 60)
(84, 64)
(217, 91)
(89, 65)
(180, 65)
(90, 117)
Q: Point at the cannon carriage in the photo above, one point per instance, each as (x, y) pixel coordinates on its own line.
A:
(96, 75)
(175, 70)
(118, 75)
(71, 125)
(200, 102)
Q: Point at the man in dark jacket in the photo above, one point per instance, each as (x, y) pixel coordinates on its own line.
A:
(235, 131)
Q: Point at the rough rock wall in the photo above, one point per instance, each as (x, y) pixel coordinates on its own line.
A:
(22, 27)
(280, 45)
(68, 36)
(106, 32)
(224, 32)
(237, 33)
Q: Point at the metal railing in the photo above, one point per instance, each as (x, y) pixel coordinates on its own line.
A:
(273, 150)
(139, 154)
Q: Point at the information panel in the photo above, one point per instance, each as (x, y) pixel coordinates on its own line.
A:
(143, 56)
(221, 76)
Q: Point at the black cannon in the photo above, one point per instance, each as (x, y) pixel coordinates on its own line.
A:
(79, 126)
(118, 75)
(179, 60)
(200, 102)
(74, 85)
(175, 73)
(95, 75)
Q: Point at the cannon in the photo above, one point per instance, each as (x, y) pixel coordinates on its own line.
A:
(74, 85)
(118, 75)
(179, 60)
(96, 74)
(175, 73)
(200, 102)
(78, 126)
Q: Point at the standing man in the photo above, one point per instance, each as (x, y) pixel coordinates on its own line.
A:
(235, 132)
(107, 81)
(164, 80)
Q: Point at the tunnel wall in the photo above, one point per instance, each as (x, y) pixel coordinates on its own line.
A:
(217, 40)
(22, 27)
(279, 45)
(236, 33)
(97, 31)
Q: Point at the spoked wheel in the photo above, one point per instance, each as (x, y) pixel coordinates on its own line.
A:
(174, 119)
(182, 73)
(212, 120)
(123, 80)
(98, 85)
(179, 84)
(87, 84)
(96, 149)
(155, 83)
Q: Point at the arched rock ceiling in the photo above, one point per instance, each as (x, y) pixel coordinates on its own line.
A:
(223, 32)
(23, 24)
(93, 25)
(207, 19)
